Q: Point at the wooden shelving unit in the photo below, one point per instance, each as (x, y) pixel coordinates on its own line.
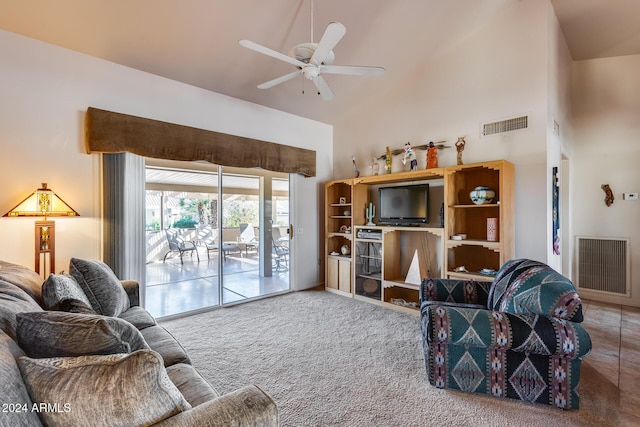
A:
(375, 269)
(462, 216)
(340, 218)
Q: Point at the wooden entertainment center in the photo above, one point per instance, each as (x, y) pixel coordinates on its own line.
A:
(371, 262)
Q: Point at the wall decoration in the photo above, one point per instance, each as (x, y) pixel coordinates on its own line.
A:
(608, 199)
(555, 189)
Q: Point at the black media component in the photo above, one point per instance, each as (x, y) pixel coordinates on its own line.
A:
(404, 205)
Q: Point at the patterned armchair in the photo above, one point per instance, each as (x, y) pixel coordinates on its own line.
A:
(517, 337)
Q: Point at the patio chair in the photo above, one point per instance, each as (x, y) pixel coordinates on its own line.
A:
(281, 256)
(248, 237)
(178, 244)
(207, 238)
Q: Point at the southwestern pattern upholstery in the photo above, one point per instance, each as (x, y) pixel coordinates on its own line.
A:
(517, 337)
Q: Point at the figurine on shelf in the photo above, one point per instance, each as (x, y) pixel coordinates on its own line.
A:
(460, 143)
(355, 167)
(432, 156)
(387, 160)
(409, 153)
(370, 213)
(411, 156)
(374, 167)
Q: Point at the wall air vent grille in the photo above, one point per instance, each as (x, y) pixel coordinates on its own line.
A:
(603, 265)
(502, 126)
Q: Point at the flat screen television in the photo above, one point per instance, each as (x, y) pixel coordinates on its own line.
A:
(404, 205)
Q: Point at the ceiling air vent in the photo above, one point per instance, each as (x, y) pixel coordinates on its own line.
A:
(502, 126)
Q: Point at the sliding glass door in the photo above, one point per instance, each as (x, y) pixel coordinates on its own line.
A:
(254, 262)
(214, 236)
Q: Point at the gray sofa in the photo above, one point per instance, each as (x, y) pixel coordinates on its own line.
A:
(79, 350)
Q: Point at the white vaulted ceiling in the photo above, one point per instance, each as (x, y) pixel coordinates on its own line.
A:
(196, 41)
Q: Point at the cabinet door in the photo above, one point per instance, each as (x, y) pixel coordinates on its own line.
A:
(344, 275)
(332, 273)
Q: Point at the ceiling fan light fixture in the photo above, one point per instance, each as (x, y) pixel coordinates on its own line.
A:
(310, 72)
(313, 59)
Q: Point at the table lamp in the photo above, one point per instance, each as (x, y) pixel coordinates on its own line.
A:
(45, 203)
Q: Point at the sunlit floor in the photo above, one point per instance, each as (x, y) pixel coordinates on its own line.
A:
(174, 288)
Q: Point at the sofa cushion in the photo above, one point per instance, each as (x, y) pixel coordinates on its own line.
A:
(160, 340)
(101, 286)
(60, 287)
(12, 388)
(73, 306)
(13, 300)
(59, 334)
(195, 389)
(138, 317)
(22, 277)
(115, 390)
(526, 286)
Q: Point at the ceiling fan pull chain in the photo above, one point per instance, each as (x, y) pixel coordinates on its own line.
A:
(311, 21)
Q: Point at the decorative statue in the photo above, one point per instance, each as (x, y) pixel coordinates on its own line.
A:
(409, 154)
(370, 212)
(432, 156)
(374, 166)
(355, 168)
(387, 160)
(460, 147)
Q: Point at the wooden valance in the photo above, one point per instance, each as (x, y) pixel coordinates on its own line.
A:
(109, 132)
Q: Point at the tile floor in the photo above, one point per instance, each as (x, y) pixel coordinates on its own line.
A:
(174, 288)
(615, 354)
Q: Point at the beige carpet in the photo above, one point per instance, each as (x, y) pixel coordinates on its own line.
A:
(333, 361)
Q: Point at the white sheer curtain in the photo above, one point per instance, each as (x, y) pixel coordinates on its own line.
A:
(123, 210)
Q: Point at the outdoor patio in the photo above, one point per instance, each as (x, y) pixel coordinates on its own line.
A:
(173, 288)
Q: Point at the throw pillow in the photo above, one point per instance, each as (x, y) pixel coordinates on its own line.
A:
(73, 306)
(100, 284)
(59, 287)
(112, 391)
(59, 334)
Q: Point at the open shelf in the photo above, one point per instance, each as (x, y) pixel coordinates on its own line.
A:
(400, 283)
(407, 299)
(376, 268)
(477, 276)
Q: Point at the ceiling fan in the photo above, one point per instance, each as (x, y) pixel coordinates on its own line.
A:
(314, 59)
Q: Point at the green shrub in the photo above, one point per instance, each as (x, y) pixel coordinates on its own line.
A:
(185, 223)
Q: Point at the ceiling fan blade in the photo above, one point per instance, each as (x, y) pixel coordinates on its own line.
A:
(351, 70)
(282, 79)
(325, 91)
(270, 52)
(332, 35)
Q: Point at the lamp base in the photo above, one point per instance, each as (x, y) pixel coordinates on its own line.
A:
(45, 244)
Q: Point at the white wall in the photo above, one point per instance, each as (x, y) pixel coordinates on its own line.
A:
(44, 93)
(559, 143)
(499, 72)
(606, 119)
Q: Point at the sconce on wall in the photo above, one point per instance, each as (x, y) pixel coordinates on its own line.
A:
(44, 203)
